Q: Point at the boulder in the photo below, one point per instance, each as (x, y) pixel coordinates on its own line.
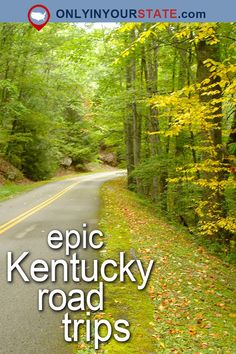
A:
(66, 161)
(109, 158)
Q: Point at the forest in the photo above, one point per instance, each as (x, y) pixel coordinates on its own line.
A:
(159, 98)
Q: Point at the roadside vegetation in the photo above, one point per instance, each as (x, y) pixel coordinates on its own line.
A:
(13, 182)
(188, 306)
(11, 189)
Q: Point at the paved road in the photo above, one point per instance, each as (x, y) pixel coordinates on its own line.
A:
(23, 330)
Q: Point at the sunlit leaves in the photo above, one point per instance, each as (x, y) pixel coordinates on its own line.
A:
(197, 32)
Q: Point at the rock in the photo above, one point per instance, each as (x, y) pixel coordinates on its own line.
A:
(11, 176)
(109, 158)
(9, 173)
(66, 161)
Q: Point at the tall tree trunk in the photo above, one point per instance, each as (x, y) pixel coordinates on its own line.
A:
(215, 200)
(151, 75)
(137, 123)
(129, 133)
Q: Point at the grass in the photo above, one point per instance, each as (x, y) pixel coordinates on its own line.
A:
(11, 189)
(190, 303)
(124, 300)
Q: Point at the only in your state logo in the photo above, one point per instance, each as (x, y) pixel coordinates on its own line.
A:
(38, 16)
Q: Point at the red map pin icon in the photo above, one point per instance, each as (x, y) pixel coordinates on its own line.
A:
(38, 16)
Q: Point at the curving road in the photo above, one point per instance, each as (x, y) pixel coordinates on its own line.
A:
(24, 225)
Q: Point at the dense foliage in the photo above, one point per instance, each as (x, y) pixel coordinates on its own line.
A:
(160, 96)
(177, 87)
(44, 98)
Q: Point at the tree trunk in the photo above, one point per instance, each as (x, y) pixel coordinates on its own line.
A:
(213, 138)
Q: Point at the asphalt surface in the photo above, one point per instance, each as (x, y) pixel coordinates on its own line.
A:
(23, 329)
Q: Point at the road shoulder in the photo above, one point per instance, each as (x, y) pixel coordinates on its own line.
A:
(190, 306)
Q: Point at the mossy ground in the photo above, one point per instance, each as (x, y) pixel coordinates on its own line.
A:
(124, 300)
(190, 303)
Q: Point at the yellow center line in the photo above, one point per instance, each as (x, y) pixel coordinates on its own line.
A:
(8, 225)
